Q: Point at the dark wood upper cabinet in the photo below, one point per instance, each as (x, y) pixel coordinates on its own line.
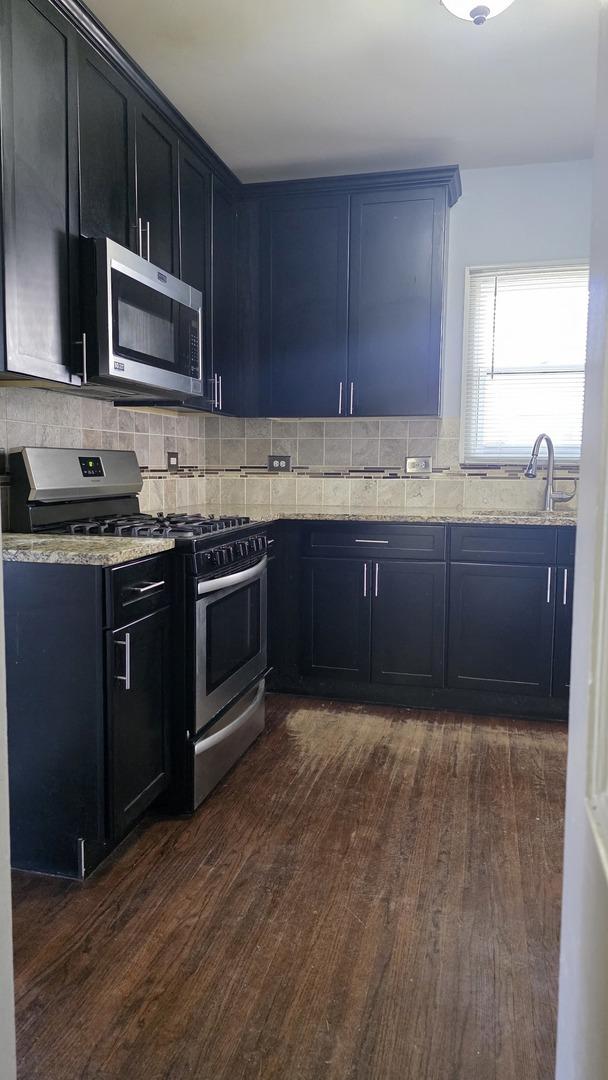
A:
(39, 186)
(194, 221)
(395, 302)
(408, 622)
(156, 147)
(501, 628)
(107, 151)
(304, 301)
(351, 293)
(226, 375)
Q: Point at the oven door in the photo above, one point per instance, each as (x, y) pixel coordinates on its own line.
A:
(230, 638)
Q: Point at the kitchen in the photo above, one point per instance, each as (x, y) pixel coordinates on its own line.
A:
(288, 583)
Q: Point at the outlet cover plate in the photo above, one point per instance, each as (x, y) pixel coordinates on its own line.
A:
(418, 465)
(173, 461)
(279, 463)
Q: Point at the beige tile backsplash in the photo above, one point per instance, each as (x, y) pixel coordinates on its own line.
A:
(223, 460)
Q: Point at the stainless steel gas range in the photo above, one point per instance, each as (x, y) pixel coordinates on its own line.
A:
(219, 623)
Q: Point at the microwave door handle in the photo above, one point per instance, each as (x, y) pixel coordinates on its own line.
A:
(240, 578)
(219, 736)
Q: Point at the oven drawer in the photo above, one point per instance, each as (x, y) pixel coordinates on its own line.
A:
(137, 589)
(225, 741)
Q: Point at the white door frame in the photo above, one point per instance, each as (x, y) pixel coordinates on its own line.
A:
(7, 1007)
(582, 1043)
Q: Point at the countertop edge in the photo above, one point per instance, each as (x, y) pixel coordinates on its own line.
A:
(79, 551)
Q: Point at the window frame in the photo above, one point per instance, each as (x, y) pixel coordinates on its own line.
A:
(498, 268)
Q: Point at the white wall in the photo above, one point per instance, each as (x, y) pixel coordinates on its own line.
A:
(525, 213)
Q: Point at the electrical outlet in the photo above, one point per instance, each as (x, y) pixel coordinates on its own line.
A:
(279, 463)
(173, 461)
(418, 465)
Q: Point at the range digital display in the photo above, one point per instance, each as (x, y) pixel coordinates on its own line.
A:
(91, 466)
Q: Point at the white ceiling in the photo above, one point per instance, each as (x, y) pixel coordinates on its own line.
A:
(284, 89)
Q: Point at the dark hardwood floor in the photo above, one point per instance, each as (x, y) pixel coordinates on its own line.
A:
(372, 894)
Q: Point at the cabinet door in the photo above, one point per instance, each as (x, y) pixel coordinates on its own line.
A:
(225, 370)
(336, 624)
(194, 221)
(40, 182)
(138, 722)
(562, 648)
(107, 151)
(501, 628)
(304, 303)
(157, 190)
(408, 623)
(396, 286)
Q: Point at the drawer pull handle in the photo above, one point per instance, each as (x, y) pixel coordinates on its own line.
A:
(549, 575)
(141, 590)
(371, 541)
(565, 596)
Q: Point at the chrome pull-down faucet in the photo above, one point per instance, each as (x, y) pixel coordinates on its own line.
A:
(551, 495)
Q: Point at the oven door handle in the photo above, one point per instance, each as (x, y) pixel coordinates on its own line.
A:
(204, 744)
(217, 584)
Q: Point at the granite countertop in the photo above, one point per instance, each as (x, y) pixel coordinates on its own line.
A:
(381, 514)
(79, 550)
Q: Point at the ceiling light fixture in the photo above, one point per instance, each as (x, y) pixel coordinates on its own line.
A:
(476, 13)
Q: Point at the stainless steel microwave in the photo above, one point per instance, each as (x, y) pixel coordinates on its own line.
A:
(142, 327)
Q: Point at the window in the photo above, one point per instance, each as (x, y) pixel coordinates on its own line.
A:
(524, 361)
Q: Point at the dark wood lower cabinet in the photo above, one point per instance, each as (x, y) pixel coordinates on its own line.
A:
(138, 717)
(562, 645)
(408, 623)
(374, 621)
(501, 628)
(336, 618)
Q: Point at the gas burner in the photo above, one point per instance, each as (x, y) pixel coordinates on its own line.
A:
(171, 526)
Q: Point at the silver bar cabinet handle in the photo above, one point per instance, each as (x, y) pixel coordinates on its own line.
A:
(219, 379)
(140, 245)
(549, 575)
(126, 678)
(141, 590)
(148, 239)
(352, 396)
(83, 345)
(340, 398)
(364, 579)
(371, 541)
(565, 594)
(376, 580)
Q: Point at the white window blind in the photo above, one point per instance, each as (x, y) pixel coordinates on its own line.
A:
(524, 361)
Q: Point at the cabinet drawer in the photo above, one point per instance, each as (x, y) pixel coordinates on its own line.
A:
(566, 543)
(533, 545)
(137, 589)
(374, 540)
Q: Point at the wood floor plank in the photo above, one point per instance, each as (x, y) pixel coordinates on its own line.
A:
(372, 894)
